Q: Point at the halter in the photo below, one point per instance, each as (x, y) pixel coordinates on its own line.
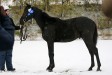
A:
(23, 28)
(30, 11)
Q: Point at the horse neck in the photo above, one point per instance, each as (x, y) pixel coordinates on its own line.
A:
(41, 19)
(40, 22)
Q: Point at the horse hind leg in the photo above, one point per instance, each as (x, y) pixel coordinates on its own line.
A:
(92, 60)
(93, 51)
(92, 57)
(98, 59)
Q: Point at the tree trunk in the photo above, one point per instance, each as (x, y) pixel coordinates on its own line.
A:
(46, 2)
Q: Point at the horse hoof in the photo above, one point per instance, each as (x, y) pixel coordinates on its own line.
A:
(90, 69)
(99, 70)
(49, 70)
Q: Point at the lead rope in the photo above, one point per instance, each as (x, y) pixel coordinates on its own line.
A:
(23, 33)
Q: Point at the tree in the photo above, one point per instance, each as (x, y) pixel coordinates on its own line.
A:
(46, 5)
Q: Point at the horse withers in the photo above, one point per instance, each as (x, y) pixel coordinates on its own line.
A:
(58, 30)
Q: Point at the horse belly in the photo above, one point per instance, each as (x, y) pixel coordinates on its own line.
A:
(65, 37)
(64, 40)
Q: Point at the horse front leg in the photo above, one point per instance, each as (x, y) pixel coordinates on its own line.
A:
(51, 56)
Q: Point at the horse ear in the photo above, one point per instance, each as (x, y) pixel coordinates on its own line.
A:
(28, 5)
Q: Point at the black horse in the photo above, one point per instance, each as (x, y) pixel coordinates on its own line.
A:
(57, 30)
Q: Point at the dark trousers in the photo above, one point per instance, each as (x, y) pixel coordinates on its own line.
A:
(6, 58)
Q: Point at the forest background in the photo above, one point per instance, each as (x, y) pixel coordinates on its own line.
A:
(63, 9)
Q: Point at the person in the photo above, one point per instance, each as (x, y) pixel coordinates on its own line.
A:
(6, 8)
(6, 41)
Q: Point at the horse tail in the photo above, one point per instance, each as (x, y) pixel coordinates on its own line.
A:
(95, 36)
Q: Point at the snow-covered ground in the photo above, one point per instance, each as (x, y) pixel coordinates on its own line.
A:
(31, 58)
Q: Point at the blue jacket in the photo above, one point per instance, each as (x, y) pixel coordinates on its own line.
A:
(6, 33)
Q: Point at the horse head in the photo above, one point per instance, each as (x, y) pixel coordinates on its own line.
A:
(27, 14)
(107, 8)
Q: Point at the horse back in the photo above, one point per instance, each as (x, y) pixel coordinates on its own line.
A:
(71, 29)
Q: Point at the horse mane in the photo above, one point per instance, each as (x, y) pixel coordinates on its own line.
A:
(49, 19)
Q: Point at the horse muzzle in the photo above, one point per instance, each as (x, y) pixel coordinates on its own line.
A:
(22, 21)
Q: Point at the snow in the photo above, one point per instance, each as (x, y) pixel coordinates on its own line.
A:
(72, 58)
